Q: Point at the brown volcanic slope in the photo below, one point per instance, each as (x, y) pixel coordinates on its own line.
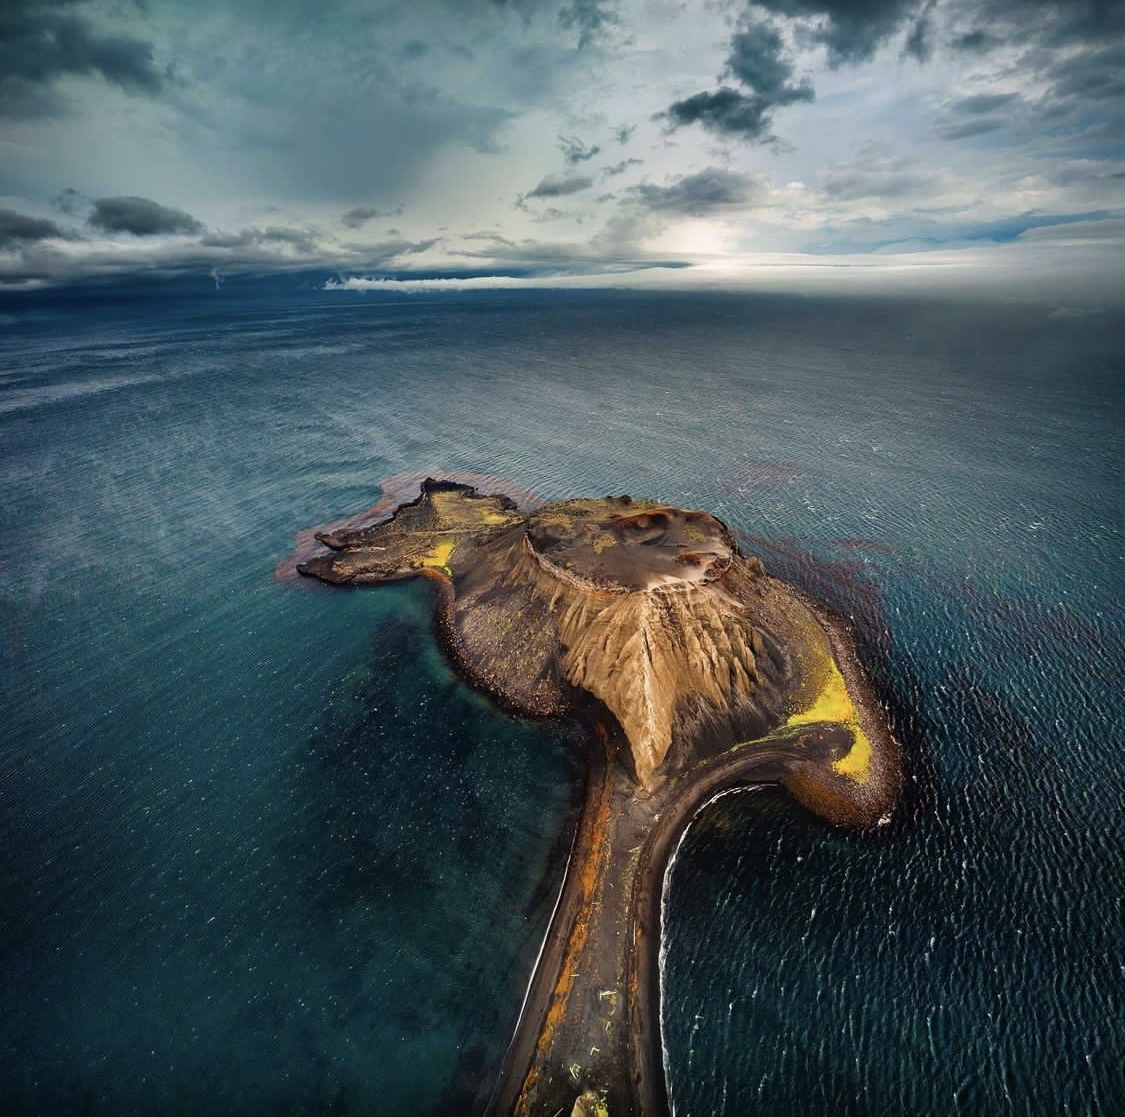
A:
(699, 672)
(648, 608)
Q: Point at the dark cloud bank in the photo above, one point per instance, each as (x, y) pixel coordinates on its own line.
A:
(1077, 47)
(42, 41)
(17, 229)
(760, 64)
(141, 217)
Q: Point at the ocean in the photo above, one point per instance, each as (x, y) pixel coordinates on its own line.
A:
(264, 853)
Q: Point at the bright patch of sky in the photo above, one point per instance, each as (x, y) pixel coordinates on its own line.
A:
(565, 140)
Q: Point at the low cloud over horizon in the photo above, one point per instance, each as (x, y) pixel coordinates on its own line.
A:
(558, 140)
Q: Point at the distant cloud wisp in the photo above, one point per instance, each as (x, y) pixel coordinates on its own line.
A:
(559, 186)
(360, 215)
(589, 17)
(69, 201)
(576, 151)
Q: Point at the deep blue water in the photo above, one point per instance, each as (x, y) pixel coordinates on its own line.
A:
(263, 853)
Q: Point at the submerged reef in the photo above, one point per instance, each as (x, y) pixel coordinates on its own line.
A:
(697, 672)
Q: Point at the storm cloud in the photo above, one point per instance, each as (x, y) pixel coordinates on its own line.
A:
(17, 229)
(1071, 62)
(852, 30)
(141, 217)
(759, 61)
(1075, 46)
(703, 193)
(980, 25)
(725, 110)
(42, 41)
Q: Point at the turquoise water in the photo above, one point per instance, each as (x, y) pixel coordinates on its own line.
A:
(263, 853)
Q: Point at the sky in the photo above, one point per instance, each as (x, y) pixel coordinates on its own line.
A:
(424, 144)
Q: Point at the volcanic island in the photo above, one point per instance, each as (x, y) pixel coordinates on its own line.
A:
(696, 672)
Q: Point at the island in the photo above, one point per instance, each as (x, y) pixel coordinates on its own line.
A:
(696, 672)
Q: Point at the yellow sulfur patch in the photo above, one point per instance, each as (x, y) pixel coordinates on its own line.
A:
(856, 765)
(447, 504)
(439, 556)
(834, 704)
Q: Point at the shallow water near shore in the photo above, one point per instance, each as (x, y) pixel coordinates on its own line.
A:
(262, 852)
